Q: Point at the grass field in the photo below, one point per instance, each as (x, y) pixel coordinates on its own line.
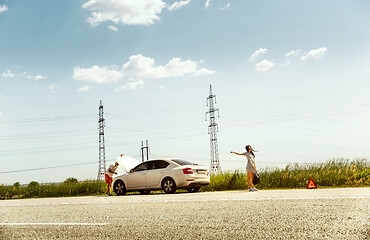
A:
(70, 187)
(333, 173)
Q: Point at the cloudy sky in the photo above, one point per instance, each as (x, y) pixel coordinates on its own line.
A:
(292, 79)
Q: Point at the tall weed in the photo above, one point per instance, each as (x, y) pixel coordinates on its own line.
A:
(65, 189)
(333, 173)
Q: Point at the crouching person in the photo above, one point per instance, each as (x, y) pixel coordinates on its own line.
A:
(109, 177)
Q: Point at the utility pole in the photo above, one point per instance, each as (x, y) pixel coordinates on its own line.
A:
(212, 131)
(101, 124)
(144, 151)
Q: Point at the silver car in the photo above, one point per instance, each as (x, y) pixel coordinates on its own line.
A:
(166, 174)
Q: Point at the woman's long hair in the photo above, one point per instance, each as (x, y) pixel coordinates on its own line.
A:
(248, 147)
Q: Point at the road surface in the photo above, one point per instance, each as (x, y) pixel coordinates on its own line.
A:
(276, 214)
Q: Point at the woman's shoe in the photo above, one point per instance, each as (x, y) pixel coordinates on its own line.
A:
(255, 189)
(251, 190)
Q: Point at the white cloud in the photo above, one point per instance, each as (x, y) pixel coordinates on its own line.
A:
(97, 74)
(177, 5)
(206, 5)
(366, 70)
(7, 74)
(258, 53)
(35, 77)
(162, 87)
(286, 63)
(315, 54)
(204, 71)
(226, 7)
(130, 12)
(113, 28)
(131, 86)
(264, 65)
(3, 8)
(84, 89)
(140, 66)
(293, 53)
(52, 88)
(1, 114)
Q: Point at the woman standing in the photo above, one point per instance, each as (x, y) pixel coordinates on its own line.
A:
(251, 166)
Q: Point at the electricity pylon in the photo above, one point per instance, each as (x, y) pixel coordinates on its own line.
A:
(101, 124)
(212, 131)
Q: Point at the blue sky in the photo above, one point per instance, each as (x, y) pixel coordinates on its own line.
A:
(291, 79)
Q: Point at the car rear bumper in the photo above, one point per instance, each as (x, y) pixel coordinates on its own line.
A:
(191, 182)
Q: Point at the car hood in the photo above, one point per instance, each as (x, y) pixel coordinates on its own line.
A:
(126, 163)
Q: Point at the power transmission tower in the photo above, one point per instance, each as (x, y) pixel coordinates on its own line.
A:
(144, 149)
(212, 131)
(101, 124)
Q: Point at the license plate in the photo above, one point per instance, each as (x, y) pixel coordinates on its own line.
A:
(201, 172)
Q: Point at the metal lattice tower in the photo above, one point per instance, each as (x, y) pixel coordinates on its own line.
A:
(212, 131)
(101, 124)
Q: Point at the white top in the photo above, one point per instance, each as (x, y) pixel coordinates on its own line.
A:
(113, 168)
(250, 160)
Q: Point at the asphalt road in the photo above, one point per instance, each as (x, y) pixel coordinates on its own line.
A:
(278, 214)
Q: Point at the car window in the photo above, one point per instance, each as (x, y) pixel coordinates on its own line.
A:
(141, 167)
(159, 164)
(183, 162)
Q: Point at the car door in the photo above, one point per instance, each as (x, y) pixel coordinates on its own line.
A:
(136, 178)
(155, 175)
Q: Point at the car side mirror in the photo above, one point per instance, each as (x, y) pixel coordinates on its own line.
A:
(132, 170)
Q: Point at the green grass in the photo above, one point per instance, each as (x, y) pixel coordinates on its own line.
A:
(333, 173)
(65, 189)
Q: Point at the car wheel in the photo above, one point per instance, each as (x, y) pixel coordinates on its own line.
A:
(119, 188)
(145, 192)
(169, 185)
(191, 190)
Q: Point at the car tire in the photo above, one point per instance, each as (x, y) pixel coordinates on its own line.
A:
(169, 185)
(119, 188)
(191, 190)
(145, 192)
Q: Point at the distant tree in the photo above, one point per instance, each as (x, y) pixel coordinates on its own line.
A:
(17, 184)
(33, 184)
(71, 180)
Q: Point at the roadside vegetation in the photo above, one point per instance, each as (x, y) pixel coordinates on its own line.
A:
(70, 187)
(333, 173)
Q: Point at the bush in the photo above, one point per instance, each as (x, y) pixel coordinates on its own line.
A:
(71, 180)
(69, 187)
(227, 181)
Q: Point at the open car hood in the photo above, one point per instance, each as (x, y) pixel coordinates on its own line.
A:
(126, 163)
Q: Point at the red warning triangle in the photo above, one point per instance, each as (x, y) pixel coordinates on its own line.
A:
(311, 184)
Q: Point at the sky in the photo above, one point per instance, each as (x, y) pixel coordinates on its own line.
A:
(291, 78)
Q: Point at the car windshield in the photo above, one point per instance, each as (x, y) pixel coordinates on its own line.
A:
(183, 162)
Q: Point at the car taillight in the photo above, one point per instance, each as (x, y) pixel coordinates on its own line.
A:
(187, 171)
